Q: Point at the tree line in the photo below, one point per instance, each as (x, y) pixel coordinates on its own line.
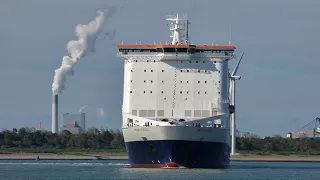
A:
(91, 139)
(103, 139)
(278, 145)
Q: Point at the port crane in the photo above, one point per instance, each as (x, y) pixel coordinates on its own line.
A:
(310, 129)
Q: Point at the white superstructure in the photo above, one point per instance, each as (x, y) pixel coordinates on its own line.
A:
(175, 81)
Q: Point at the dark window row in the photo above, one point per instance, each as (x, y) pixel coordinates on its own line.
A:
(205, 92)
(198, 81)
(198, 61)
(198, 70)
(181, 61)
(173, 50)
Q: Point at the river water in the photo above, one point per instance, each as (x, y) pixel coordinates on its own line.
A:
(119, 169)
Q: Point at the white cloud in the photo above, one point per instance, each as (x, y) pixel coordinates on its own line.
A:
(100, 113)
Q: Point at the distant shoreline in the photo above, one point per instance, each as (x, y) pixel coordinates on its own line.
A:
(275, 158)
(64, 156)
(121, 156)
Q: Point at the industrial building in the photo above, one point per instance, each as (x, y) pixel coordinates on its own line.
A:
(75, 123)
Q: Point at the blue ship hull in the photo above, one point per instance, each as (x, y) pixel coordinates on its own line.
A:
(169, 153)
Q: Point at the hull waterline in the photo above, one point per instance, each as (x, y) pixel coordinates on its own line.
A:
(178, 153)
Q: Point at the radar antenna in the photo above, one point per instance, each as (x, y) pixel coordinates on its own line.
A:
(176, 26)
(230, 37)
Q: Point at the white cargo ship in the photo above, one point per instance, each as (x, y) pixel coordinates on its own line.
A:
(176, 101)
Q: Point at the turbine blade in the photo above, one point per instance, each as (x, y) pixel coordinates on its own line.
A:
(237, 66)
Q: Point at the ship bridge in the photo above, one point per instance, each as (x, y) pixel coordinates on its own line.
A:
(163, 52)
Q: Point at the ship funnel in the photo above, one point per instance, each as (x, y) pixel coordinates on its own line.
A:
(54, 113)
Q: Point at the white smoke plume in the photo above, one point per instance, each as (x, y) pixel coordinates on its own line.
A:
(81, 110)
(100, 112)
(77, 49)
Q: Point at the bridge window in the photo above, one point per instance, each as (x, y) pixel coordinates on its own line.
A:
(159, 50)
(169, 50)
(182, 50)
(191, 50)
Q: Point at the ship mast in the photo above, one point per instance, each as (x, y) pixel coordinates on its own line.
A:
(176, 26)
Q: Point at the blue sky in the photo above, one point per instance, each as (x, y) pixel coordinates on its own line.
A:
(278, 91)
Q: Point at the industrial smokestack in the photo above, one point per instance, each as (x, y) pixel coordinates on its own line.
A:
(54, 113)
(77, 49)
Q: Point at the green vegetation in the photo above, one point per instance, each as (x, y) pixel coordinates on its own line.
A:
(278, 145)
(111, 142)
(30, 141)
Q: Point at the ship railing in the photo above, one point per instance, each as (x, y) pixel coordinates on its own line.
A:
(211, 55)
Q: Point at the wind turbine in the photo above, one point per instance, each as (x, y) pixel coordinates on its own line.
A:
(233, 78)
